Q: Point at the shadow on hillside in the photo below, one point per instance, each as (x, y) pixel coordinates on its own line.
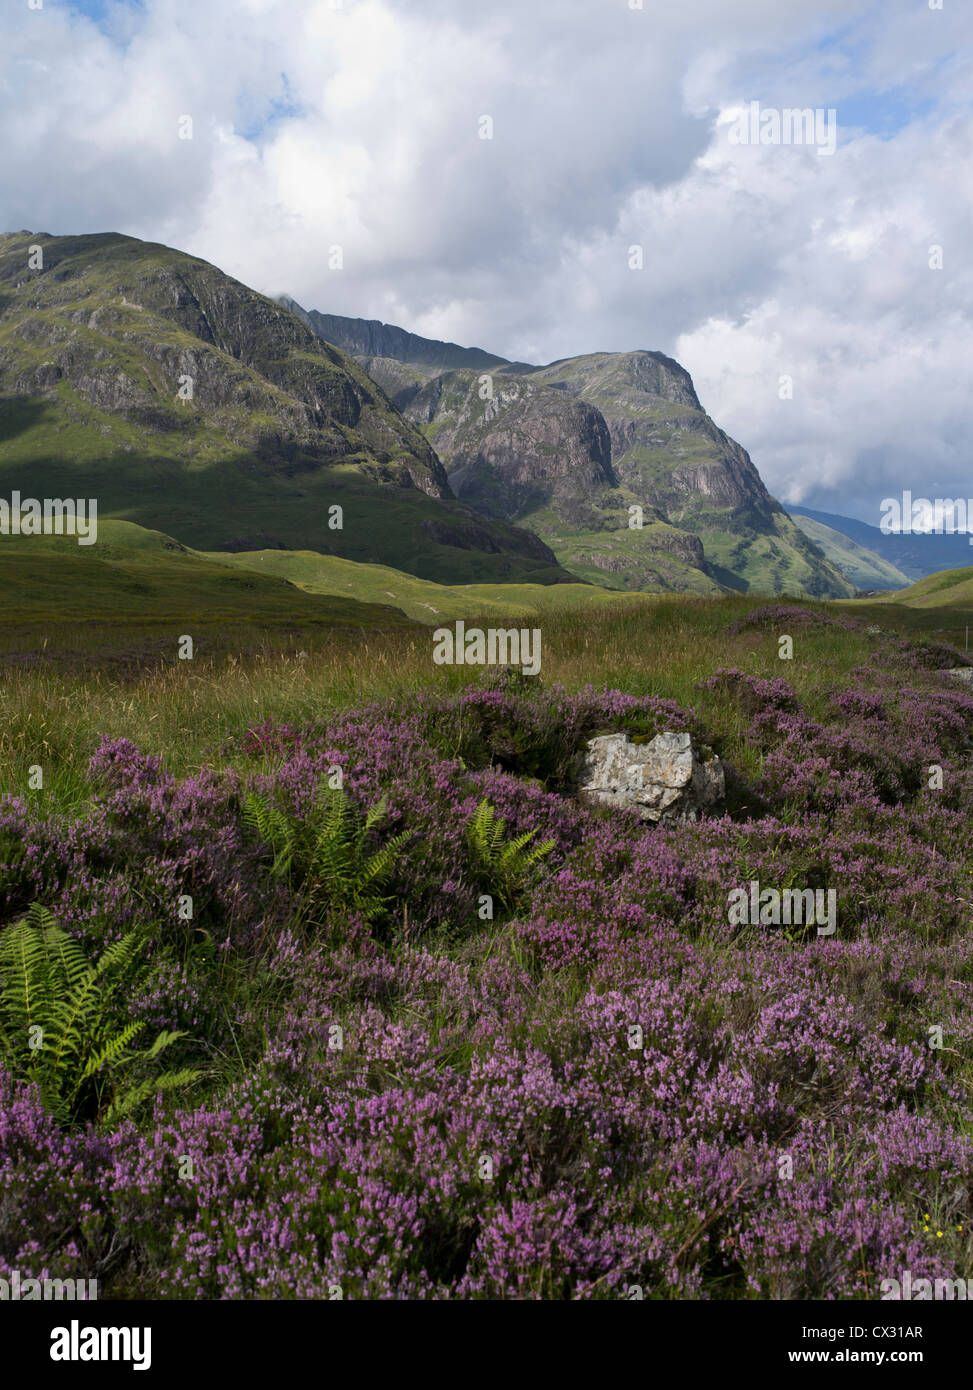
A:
(260, 498)
(726, 577)
(18, 414)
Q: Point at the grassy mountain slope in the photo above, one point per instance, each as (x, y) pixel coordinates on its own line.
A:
(135, 575)
(948, 589)
(95, 348)
(861, 566)
(417, 598)
(916, 555)
(569, 448)
(132, 575)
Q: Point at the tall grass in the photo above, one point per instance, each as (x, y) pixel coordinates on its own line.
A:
(120, 683)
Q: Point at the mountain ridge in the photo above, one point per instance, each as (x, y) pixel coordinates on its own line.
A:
(526, 443)
(190, 404)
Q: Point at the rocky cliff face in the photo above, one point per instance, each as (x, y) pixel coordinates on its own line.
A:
(669, 454)
(189, 403)
(519, 448)
(123, 325)
(570, 449)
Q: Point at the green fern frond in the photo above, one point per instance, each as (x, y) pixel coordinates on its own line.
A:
(110, 1052)
(326, 856)
(503, 866)
(136, 1096)
(58, 1020)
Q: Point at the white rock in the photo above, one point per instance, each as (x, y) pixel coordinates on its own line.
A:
(665, 779)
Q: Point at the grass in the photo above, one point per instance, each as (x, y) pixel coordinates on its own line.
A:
(90, 646)
(124, 680)
(949, 589)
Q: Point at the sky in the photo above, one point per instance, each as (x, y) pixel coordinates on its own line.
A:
(545, 178)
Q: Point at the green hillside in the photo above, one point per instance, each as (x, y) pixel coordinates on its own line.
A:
(949, 589)
(95, 348)
(861, 566)
(134, 576)
(418, 599)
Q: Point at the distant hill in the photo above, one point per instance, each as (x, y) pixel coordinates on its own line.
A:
(418, 599)
(140, 577)
(143, 577)
(948, 589)
(863, 567)
(915, 555)
(185, 402)
(570, 449)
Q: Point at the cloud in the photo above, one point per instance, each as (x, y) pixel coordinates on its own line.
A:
(359, 125)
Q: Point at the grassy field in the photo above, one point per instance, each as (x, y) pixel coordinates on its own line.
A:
(91, 639)
(65, 686)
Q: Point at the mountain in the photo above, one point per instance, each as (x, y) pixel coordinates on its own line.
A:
(97, 347)
(570, 449)
(863, 567)
(370, 338)
(541, 455)
(916, 555)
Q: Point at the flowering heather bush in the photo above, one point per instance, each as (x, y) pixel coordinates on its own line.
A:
(613, 1087)
(145, 840)
(783, 616)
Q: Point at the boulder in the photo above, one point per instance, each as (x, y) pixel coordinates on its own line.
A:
(665, 779)
(962, 673)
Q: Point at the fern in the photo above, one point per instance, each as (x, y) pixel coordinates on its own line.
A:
(57, 1027)
(326, 857)
(503, 866)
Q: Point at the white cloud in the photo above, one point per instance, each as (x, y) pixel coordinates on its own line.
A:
(363, 132)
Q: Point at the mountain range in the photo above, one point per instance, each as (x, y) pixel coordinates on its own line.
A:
(571, 448)
(187, 403)
(914, 555)
(866, 570)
